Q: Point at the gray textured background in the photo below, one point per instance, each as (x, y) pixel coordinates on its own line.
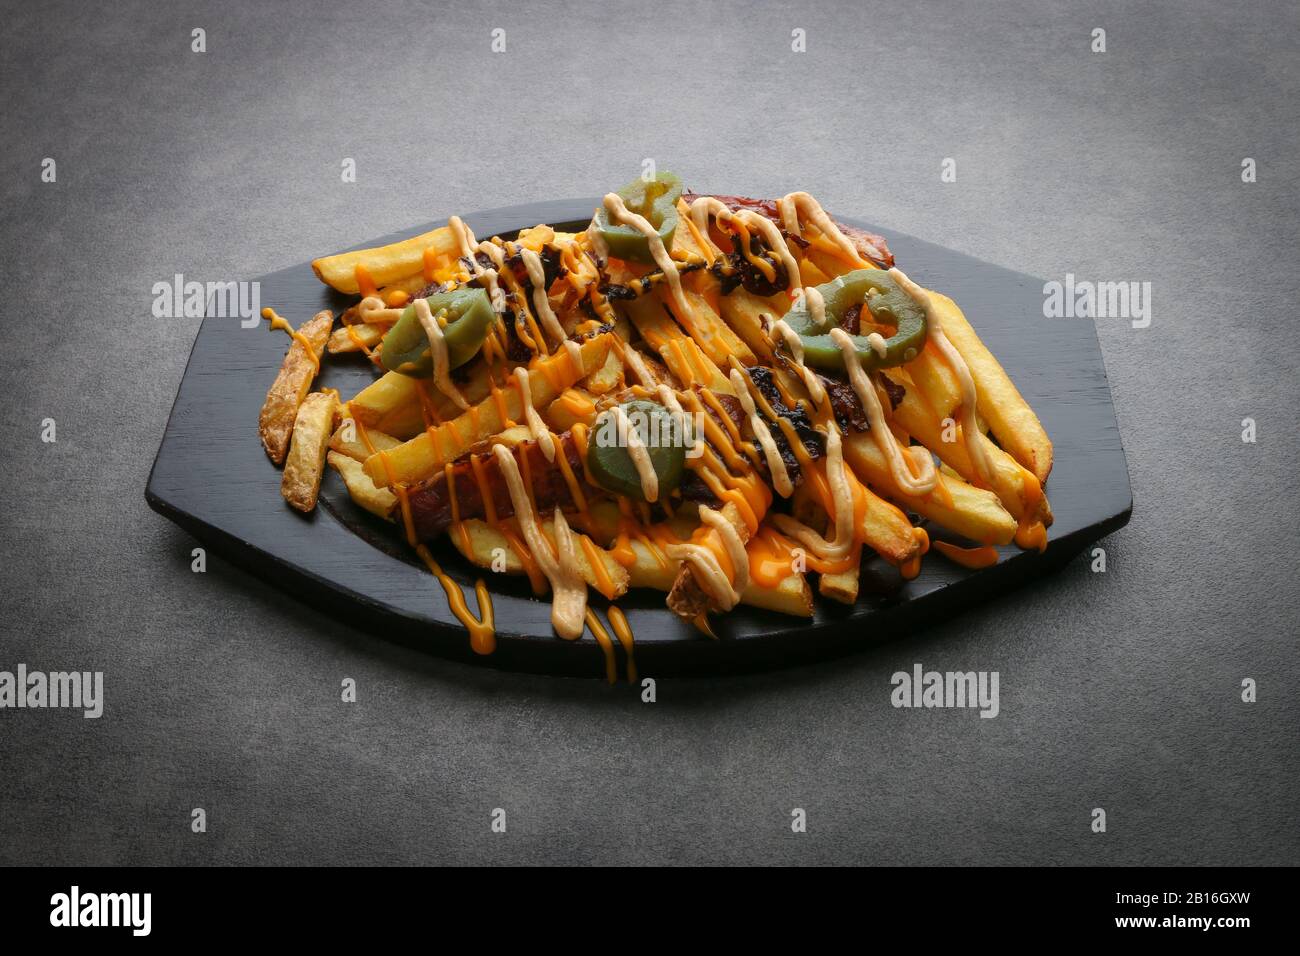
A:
(1118, 690)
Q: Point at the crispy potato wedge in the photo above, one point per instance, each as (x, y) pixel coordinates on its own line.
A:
(386, 264)
(482, 545)
(428, 451)
(275, 423)
(300, 483)
(1009, 416)
(378, 501)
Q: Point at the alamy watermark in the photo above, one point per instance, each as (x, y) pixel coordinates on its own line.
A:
(653, 431)
(79, 690)
(970, 689)
(1098, 300)
(181, 299)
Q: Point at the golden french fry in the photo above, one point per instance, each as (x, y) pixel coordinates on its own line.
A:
(386, 264)
(428, 451)
(347, 440)
(300, 483)
(1009, 416)
(607, 377)
(916, 416)
(378, 501)
(486, 547)
(275, 423)
(356, 338)
(676, 349)
(972, 512)
(703, 324)
(659, 572)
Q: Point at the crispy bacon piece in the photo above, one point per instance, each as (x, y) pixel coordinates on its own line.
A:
(869, 245)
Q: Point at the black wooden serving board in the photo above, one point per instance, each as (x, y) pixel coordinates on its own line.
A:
(212, 477)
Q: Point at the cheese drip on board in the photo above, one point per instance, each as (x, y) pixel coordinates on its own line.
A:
(970, 430)
(568, 591)
(901, 461)
(541, 434)
(775, 464)
(438, 353)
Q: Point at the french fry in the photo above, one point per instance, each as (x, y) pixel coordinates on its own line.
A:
(275, 423)
(424, 454)
(714, 337)
(1009, 416)
(356, 338)
(392, 402)
(743, 312)
(676, 349)
(972, 512)
(346, 440)
(378, 501)
(607, 377)
(792, 596)
(574, 405)
(300, 483)
(481, 543)
(386, 264)
(1008, 478)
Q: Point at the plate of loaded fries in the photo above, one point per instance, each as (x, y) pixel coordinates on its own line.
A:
(659, 432)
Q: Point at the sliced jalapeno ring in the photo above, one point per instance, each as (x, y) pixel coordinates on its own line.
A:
(469, 316)
(656, 200)
(887, 302)
(611, 464)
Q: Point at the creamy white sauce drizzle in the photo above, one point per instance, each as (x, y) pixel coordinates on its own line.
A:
(575, 356)
(541, 301)
(796, 203)
(372, 310)
(568, 591)
(841, 500)
(919, 484)
(708, 572)
(541, 434)
(629, 439)
(667, 396)
(810, 380)
(438, 353)
(775, 465)
(632, 359)
(970, 430)
(468, 246)
(877, 343)
(618, 212)
(816, 305)
(705, 206)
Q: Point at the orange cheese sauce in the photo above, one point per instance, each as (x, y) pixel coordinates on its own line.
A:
(981, 557)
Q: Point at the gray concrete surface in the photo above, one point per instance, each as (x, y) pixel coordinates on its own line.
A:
(1118, 690)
